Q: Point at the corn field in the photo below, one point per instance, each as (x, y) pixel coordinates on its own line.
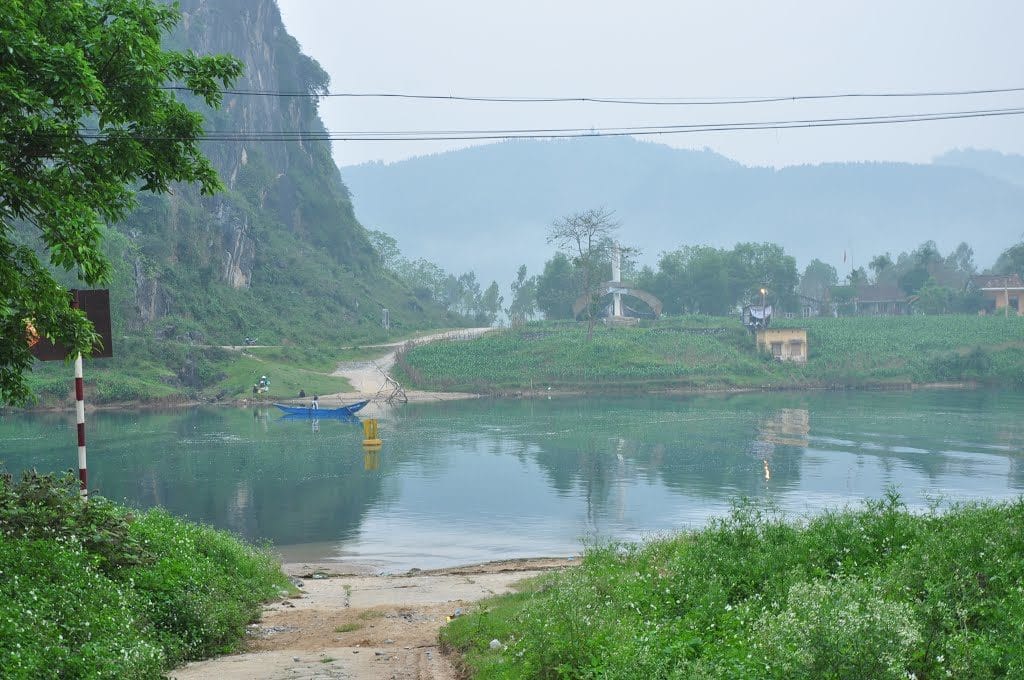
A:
(705, 352)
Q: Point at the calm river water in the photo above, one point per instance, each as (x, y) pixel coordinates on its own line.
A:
(469, 481)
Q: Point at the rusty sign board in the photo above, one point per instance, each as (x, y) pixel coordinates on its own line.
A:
(96, 305)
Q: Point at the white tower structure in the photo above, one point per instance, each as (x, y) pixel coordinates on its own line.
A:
(616, 278)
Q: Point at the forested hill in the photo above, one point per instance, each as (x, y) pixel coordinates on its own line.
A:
(1009, 167)
(488, 207)
(279, 255)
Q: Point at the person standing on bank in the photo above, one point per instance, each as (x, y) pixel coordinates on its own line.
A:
(316, 403)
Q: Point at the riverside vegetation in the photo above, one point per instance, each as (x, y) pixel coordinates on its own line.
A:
(877, 592)
(700, 352)
(97, 590)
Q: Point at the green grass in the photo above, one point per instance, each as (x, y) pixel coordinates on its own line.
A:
(870, 593)
(153, 371)
(347, 628)
(94, 590)
(286, 377)
(706, 352)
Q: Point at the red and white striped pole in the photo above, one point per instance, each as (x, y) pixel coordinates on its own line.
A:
(80, 418)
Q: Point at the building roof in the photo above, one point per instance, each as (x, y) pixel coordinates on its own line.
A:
(880, 292)
(997, 282)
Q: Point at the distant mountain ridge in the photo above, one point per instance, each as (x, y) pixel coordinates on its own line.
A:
(1007, 167)
(487, 208)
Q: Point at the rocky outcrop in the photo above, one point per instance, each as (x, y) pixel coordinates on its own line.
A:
(238, 245)
(233, 263)
(149, 295)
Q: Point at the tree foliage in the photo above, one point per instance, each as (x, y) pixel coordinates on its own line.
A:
(556, 288)
(86, 120)
(1011, 261)
(709, 280)
(587, 238)
(818, 279)
(524, 298)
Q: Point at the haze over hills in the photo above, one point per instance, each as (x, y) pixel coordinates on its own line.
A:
(487, 208)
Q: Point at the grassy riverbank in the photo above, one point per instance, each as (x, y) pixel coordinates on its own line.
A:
(145, 371)
(91, 590)
(717, 353)
(190, 373)
(875, 593)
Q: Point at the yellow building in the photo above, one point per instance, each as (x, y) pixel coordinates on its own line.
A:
(1003, 294)
(785, 344)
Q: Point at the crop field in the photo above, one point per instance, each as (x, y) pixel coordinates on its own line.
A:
(705, 352)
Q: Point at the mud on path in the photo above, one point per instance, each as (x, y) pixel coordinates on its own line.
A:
(361, 626)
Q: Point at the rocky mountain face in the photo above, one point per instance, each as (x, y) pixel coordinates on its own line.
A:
(280, 250)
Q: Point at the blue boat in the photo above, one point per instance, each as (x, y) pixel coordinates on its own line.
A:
(314, 417)
(323, 412)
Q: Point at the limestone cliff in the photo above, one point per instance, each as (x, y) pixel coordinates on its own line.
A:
(280, 252)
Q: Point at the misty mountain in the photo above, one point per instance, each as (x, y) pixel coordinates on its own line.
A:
(1007, 167)
(487, 208)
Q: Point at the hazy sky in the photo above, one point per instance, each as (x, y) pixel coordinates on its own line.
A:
(647, 48)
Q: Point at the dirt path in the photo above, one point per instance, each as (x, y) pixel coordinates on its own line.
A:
(366, 377)
(362, 626)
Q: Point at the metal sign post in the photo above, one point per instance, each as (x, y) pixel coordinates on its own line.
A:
(96, 305)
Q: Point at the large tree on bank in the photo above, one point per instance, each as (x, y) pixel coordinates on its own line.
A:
(586, 237)
(88, 116)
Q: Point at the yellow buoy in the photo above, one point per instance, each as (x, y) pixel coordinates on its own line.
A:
(370, 434)
(371, 458)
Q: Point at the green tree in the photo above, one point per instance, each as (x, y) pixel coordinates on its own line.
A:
(818, 279)
(556, 288)
(586, 237)
(86, 120)
(857, 277)
(386, 247)
(524, 298)
(427, 280)
(1011, 261)
(765, 265)
(914, 279)
(489, 305)
(961, 260)
(696, 279)
(935, 299)
(881, 265)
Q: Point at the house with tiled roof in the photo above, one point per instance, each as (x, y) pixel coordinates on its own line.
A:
(1003, 293)
(882, 299)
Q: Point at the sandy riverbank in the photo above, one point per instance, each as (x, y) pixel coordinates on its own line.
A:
(363, 626)
(367, 378)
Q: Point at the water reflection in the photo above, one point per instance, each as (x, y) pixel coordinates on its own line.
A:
(785, 427)
(461, 481)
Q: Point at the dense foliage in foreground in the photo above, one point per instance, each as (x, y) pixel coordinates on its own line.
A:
(93, 590)
(714, 352)
(875, 593)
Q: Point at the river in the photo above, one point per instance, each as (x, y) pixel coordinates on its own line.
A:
(469, 481)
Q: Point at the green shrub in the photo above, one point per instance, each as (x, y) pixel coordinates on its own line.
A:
(61, 618)
(203, 587)
(89, 589)
(877, 592)
(843, 628)
(49, 507)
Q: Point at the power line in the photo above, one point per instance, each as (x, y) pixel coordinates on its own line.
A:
(636, 101)
(555, 133)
